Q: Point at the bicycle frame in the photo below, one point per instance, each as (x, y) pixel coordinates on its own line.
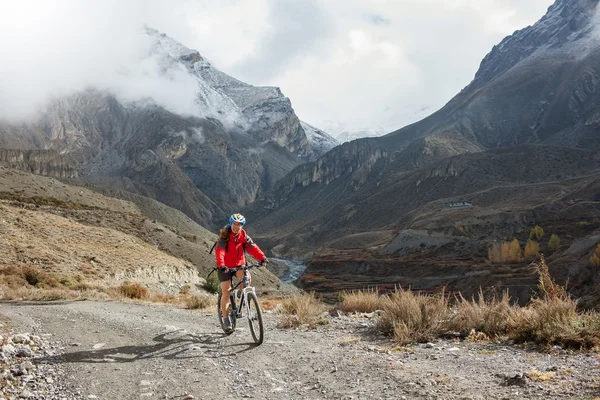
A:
(244, 297)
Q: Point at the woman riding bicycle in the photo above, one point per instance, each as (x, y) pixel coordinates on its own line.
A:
(233, 241)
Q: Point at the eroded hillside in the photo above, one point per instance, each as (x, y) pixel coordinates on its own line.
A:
(72, 231)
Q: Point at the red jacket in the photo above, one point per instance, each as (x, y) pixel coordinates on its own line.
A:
(233, 255)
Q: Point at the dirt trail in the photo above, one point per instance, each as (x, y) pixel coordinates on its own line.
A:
(114, 350)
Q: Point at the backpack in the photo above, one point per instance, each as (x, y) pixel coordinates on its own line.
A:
(226, 242)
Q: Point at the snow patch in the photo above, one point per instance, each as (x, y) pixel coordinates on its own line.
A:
(320, 141)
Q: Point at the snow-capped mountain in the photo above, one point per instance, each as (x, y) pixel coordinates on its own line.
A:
(206, 143)
(240, 105)
(320, 141)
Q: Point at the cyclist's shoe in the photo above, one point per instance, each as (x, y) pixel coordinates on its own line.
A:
(227, 323)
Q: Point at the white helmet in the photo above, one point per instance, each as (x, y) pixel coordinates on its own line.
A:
(237, 218)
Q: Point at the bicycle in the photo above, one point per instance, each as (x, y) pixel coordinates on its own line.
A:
(248, 305)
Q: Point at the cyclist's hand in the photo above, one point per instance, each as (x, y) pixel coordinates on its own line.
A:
(224, 269)
(264, 263)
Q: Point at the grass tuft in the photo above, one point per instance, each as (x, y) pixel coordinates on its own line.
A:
(301, 309)
(414, 317)
(133, 290)
(361, 301)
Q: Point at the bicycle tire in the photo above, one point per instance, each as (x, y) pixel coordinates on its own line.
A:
(255, 319)
(232, 315)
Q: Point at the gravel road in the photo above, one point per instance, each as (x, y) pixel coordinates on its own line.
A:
(113, 350)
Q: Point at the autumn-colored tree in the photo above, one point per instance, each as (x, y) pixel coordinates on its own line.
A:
(554, 242)
(595, 258)
(495, 253)
(505, 252)
(536, 233)
(532, 249)
(515, 255)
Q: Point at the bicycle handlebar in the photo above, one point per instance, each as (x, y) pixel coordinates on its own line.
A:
(242, 267)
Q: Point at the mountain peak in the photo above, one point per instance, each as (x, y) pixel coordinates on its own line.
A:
(565, 21)
(174, 48)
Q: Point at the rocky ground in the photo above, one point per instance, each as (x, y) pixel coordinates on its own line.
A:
(111, 350)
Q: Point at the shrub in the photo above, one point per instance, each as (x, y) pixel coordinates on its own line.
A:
(554, 242)
(361, 301)
(532, 249)
(198, 301)
(536, 233)
(212, 284)
(548, 321)
(595, 258)
(548, 289)
(492, 317)
(414, 317)
(133, 290)
(301, 309)
(552, 317)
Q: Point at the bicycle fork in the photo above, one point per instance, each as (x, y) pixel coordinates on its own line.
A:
(244, 302)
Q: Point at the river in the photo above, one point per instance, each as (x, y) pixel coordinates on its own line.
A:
(294, 268)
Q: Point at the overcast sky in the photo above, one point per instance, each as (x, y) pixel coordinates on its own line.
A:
(343, 63)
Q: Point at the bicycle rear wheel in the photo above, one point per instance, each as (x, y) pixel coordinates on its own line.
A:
(255, 319)
(230, 309)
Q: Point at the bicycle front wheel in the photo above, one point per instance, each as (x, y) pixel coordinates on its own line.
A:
(255, 318)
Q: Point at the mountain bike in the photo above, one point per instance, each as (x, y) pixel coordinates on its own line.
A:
(248, 305)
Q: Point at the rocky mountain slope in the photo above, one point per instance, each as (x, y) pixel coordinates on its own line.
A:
(233, 142)
(73, 231)
(519, 144)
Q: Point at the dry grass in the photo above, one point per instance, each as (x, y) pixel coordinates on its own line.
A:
(199, 302)
(477, 337)
(536, 375)
(346, 341)
(134, 291)
(271, 303)
(492, 317)
(301, 309)
(361, 301)
(551, 318)
(414, 317)
(30, 283)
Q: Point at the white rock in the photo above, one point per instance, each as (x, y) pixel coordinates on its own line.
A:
(98, 346)
(23, 351)
(20, 338)
(8, 349)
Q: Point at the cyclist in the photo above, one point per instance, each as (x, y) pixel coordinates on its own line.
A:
(232, 243)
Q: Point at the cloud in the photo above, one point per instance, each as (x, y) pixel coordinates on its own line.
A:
(55, 48)
(361, 63)
(295, 28)
(424, 53)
